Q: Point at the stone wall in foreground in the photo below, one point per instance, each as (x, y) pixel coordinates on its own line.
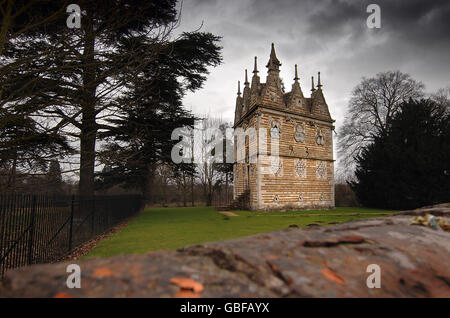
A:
(328, 261)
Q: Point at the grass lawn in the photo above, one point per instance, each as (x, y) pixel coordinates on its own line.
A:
(171, 228)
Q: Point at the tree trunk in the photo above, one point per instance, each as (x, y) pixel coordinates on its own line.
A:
(209, 193)
(226, 188)
(11, 185)
(88, 133)
(87, 157)
(147, 187)
(192, 191)
(185, 189)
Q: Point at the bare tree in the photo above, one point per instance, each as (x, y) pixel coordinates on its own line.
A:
(373, 104)
(182, 179)
(205, 156)
(164, 178)
(442, 98)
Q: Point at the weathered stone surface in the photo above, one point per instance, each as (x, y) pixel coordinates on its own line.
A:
(328, 261)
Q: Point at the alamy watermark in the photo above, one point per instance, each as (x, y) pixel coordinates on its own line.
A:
(374, 19)
(74, 19)
(74, 278)
(374, 279)
(200, 144)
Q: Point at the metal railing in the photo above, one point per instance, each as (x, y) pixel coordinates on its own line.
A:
(43, 229)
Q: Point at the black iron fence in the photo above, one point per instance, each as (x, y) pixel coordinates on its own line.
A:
(42, 229)
(222, 198)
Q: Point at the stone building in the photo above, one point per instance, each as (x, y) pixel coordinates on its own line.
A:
(285, 158)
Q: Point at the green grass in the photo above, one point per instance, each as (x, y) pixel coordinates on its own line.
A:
(171, 228)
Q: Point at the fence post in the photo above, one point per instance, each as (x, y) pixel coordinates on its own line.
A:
(32, 225)
(71, 222)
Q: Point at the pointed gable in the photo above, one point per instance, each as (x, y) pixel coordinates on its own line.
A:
(272, 94)
(319, 107)
(296, 100)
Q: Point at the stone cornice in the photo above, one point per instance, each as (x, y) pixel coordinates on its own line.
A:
(290, 156)
(283, 112)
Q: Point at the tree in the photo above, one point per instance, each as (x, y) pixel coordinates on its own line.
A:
(71, 78)
(140, 141)
(54, 178)
(225, 168)
(208, 169)
(442, 98)
(183, 173)
(373, 104)
(25, 147)
(408, 165)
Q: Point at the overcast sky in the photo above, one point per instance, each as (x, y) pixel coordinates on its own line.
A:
(330, 36)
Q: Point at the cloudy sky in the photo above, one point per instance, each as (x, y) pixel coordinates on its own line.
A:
(330, 36)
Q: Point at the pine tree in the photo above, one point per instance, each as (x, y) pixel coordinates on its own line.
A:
(54, 178)
(67, 78)
(152, 109)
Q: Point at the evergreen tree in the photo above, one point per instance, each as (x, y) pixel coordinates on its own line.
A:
(408, 166)
(67, 78)
(25, 147)
(54, 178)
(152, 109)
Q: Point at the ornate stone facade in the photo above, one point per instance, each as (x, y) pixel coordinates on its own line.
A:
(300, 175)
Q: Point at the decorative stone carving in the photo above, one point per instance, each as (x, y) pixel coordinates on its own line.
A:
(300, 197)
(276, 166)
(276, 199)
(321, 171)
(275, 130)
(320, 140)
(299, 134)
(300, 168)
(291, 150)
(252, 170)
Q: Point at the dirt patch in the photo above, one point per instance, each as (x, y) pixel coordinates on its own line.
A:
(228, 213)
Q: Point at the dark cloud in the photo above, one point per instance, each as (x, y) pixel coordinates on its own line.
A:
(423, 22)
(330, 36)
